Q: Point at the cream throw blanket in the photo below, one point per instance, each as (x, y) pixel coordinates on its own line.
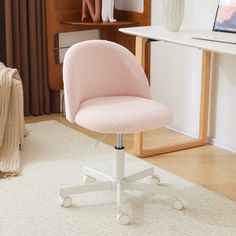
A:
(11, 121)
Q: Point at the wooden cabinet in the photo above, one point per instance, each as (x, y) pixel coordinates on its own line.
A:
(65, 16)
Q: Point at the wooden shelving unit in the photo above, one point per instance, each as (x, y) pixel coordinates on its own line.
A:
(63, 16)
(68, 26)
(100, 24)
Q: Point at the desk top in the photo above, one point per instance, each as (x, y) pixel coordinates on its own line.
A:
(183, 37)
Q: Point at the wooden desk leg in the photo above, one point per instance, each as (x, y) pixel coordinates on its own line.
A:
(205, 90)
(204, 110)
(140, 54)
(140, 50)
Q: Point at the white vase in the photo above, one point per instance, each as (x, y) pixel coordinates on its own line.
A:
(108, 10)
(173, 14)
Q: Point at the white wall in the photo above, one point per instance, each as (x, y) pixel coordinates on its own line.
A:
(175, 77)
(130, 5)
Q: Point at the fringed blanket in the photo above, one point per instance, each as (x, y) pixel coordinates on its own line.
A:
(11, 121)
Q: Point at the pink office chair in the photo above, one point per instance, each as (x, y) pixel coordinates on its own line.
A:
(107, 91)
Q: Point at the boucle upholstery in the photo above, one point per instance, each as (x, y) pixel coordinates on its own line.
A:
(122, 114)
(107, 91)
(100, 68)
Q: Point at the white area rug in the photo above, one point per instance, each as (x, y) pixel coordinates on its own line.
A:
(54, 155)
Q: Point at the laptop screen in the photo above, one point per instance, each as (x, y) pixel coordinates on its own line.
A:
(225, 20)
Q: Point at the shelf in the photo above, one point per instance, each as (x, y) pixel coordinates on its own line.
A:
(98, 25)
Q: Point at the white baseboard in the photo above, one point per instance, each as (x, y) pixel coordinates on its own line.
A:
(223, 146)
(211, 140)
(181, 131)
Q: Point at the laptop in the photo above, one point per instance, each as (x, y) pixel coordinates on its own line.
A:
(224, 29)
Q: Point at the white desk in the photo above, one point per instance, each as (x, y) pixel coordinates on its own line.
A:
(183, 37)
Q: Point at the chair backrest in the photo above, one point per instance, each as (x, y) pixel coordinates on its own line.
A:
(99, 68)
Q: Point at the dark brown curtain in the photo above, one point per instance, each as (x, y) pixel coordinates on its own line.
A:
(27, 51)
(2, 32)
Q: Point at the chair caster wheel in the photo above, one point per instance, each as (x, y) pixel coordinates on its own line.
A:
(89, 180)
(123, 219)
(178, 204)
(155, 179)
(66, 201)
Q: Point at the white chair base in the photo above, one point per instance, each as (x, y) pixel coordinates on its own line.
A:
(118, 183)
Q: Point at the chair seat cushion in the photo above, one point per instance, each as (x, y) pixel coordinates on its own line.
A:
(122, 114)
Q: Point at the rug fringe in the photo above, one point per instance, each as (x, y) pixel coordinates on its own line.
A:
(5, 175)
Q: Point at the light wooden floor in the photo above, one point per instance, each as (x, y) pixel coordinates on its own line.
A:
(209, 166)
